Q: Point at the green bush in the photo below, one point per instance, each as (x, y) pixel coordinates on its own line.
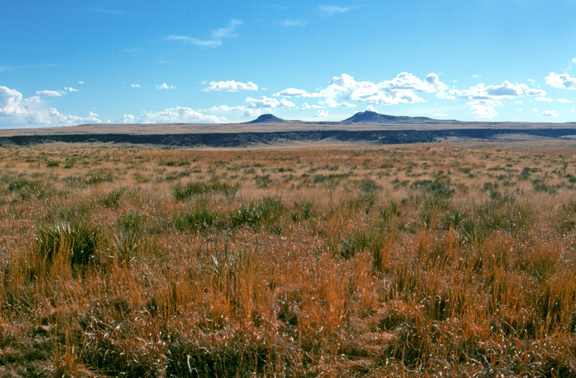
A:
(112, 199)
(185, 192)
(438, 187)
(197, 220)
(24, 188)
(255, 214)
(128, 238)
(78, 240)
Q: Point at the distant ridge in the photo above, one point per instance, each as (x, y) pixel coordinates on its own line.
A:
(268, 118)
(359, 118)
(373, 117)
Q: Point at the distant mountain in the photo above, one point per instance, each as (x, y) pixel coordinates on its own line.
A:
(373, 117)
(268, 118)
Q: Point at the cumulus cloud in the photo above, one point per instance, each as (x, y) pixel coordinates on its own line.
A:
(49, 93)
(407, 88)
(180, 114)
(483, 99)
(216, 38)
(269, 102)
(554, 100)
(484, 109)
(231, 86)
(19, 111)
(344, 90)
(135, 85)
(332, 10)
(129, 118)
(505, 90)
(561, 81)
(71, 90)
(165, 87)
(253, 106)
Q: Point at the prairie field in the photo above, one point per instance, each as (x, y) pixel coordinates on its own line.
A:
(425, 260)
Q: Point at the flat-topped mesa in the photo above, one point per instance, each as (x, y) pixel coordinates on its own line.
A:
(267, 118)
(373, 117)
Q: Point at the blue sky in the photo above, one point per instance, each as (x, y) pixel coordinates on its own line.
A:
(68, 62)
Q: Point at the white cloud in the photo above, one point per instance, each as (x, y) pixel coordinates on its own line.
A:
(433, 79)
(269, 103)
(129, 118)
(49, 93)
(307, 106)
(344, 90)
(484, 109)
(19, 111)
(554, 100)
(81, 82)
(295, 92)
(483, 99)
(550, 113)
(332, 10)
(71, 89)
(505, 90)
(226, 108)
(253, 106)
(228, 31)
(135, 85)
(165, 87)
(216, 39)
(180, 114)
(231, 86)
(195, 41)
(561, 81)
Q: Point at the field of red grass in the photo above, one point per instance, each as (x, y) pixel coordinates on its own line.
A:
(351, 261)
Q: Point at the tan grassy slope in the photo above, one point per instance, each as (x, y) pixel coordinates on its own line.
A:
(424, 260)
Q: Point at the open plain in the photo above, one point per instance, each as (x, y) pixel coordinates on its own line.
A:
(445, 259)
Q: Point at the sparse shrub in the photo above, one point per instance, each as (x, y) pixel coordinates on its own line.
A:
(128, 237)
(357, 242)
(566, 217)
(368, 187)
(431, 209)
(78, 241)
(69, 162)
(504, 215)
(175, 163)
(200, 219)
(25, 188)
(526, 173)
(97, 177)
(237, 357)
(438, 187)
(263, 182)
(185, 192)
(52, 163)
(258, 213)
(388, 213)
(303, 211)
(112, 199)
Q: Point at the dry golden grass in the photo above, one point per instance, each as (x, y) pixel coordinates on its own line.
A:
(423, 260)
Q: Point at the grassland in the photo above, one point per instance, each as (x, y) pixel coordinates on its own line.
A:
(422, 260)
